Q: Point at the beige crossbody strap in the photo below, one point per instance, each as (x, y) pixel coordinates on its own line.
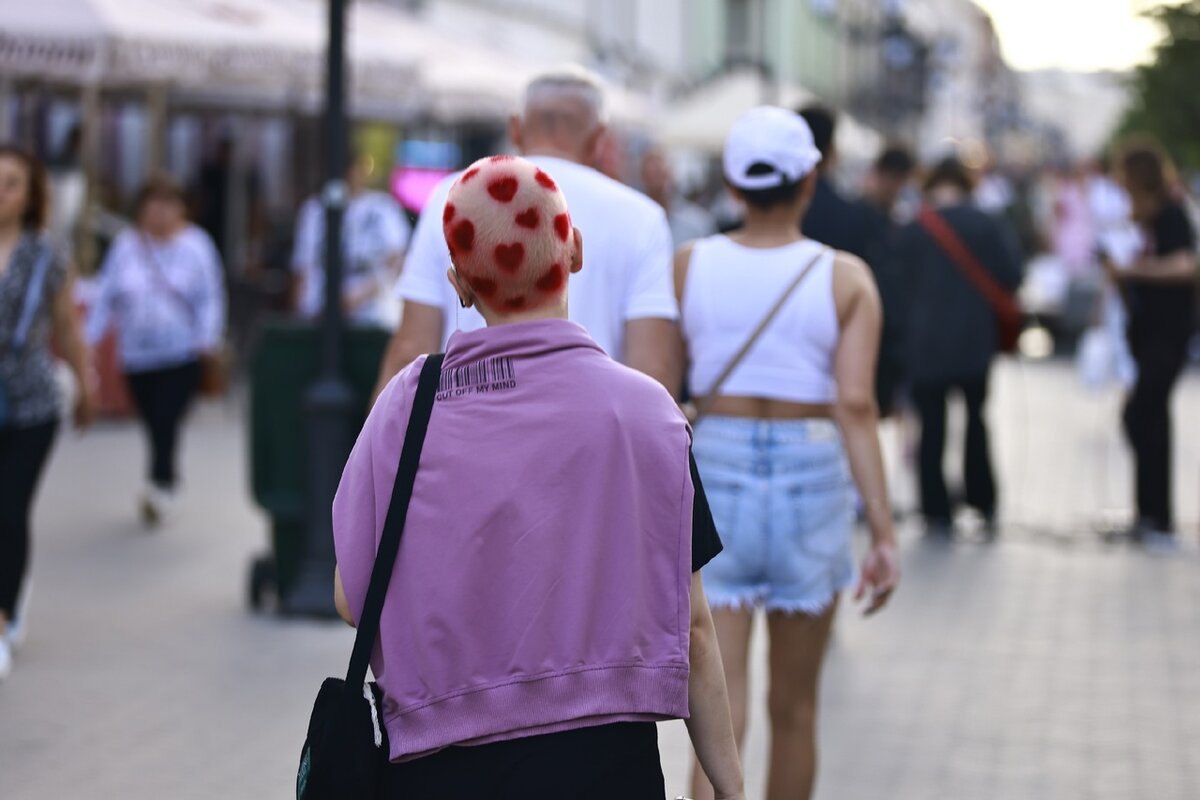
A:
(703, 407)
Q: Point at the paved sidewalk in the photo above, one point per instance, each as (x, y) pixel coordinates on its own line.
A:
(1050, 665)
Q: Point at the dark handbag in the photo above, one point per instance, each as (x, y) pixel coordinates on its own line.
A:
(346, 751)
(1009, 319)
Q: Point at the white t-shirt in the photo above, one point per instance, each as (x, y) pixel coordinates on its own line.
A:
(373, 227)
(626, 257)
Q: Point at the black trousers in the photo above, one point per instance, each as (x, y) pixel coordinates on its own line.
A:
(980, 488)
(600, 763)
(1160, 358)
(162, 397)
(23, 456)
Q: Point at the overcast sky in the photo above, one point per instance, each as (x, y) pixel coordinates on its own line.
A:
(1073, 34)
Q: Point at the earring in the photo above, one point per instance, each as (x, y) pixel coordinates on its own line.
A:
(462, 302)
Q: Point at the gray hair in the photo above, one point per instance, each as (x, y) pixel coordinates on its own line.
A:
(568, 82)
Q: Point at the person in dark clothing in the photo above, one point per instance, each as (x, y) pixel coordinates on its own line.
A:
(878, 235)
(950, 337)
(1159, 289)
(831, 219)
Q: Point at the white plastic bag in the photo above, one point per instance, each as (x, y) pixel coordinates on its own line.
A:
(1096, 358)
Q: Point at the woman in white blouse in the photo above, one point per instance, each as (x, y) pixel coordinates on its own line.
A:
(161, 287)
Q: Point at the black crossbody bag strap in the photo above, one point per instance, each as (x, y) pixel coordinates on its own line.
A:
(393, 526)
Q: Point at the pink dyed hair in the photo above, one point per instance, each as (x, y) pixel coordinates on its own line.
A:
(509, 233)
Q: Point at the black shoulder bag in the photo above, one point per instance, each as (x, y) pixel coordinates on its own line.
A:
(346, 751)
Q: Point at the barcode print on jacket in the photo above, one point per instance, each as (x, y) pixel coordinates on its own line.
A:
(493, 370)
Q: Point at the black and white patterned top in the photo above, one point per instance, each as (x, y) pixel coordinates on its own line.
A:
(27, 374)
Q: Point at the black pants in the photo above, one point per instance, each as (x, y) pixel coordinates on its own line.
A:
(601, 763)
(930, 400)
(162, 397)
(23, 455)
(1147, 417)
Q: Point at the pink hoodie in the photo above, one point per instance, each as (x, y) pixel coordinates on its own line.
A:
(543, 579)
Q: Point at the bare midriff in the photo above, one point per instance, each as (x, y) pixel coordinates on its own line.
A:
(762, 408)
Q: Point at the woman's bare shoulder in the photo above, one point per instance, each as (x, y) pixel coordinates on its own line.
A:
(852, 281)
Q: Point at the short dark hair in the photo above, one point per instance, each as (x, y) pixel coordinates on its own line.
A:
(896, 160)
(1145, 168)
(159, 187)
(822, 121)
(950, 170)
(37, 200)
(772, 196)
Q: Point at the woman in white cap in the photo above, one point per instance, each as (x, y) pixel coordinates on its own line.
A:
(782, 335)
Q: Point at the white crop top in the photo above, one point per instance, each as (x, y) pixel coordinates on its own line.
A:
(730, 288)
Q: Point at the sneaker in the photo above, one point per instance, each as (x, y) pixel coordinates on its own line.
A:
(148, 507)
(1159, 543)
(18, 626)
(5, 658)
(14, 637)
(155, 505)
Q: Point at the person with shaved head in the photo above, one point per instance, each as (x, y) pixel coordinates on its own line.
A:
(625, 301)
(545, 608)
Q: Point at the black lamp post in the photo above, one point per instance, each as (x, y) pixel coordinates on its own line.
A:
(329, 402)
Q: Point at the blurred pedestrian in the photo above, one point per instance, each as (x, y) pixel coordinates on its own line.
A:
(68, 194)
(624, 302)
(789, 423)
(886, 182)
(36, 305)
(1159, 288)
(375, 235)
(161, 288)
(952, 335)
(571, 558)
(688, 221)
(1117, 235)
(831, 219)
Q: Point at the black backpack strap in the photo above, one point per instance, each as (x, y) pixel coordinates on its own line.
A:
(393, 526)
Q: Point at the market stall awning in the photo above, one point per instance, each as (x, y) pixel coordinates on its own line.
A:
(271, 50)
(268, 53)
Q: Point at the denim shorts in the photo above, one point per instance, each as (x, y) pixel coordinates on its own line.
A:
(781, 498)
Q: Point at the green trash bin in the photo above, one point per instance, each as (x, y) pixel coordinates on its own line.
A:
(286, 362)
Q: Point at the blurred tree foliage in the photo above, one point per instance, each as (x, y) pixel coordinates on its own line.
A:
(1166, 92)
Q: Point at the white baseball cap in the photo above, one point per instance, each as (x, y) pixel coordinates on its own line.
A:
(776, 137)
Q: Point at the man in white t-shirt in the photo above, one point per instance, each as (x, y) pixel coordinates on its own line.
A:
(374, 237)
(623, 296)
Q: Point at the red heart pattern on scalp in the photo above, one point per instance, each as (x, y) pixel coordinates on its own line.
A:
(510, 256)
(529, 218)
(545, 180)
(503, 189)
(552, 281)
(463, 236)
(562, 226)
(484, 287)
(448, 214)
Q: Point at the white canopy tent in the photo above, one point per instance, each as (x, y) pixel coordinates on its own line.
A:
(265, 53)
(700, 121)
(270, 51)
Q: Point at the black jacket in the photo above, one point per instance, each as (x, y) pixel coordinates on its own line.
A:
(950, 329)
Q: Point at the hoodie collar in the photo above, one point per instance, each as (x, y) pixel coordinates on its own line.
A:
(519, 339)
